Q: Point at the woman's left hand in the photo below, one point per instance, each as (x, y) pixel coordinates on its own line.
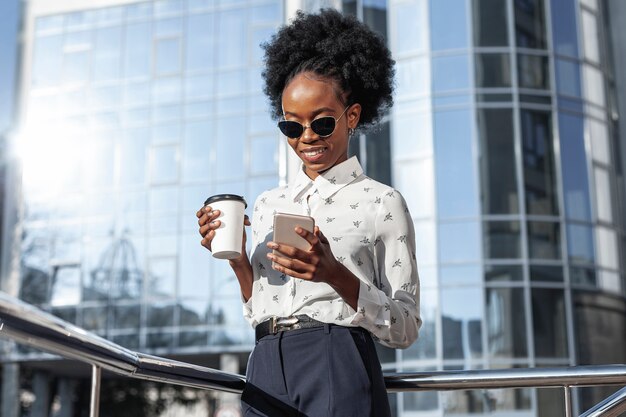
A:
(317, 264)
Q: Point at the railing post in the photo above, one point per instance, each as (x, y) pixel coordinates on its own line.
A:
(568, 400)
(94, 407)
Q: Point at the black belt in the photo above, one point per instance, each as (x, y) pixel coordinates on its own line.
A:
(284, 324)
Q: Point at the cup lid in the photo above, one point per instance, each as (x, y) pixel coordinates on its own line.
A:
(220, 197)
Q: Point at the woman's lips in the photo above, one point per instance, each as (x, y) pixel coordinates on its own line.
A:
(313, 155)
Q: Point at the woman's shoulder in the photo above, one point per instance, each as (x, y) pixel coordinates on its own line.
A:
(378, 188)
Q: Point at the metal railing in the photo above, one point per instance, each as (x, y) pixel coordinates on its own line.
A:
(30, 326)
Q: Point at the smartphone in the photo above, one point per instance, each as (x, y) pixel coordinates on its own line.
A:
(284, 229)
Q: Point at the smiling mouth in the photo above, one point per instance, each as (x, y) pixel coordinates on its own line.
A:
(313, 154)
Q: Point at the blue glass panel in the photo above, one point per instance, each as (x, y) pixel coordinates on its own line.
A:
(450, 73)
(448, 24)
(167, 55)
(461, 322)
(502, 240)
(196, 164)
(460, 275)
(564, 31)
(230, 149)
(490, 22)
(133, 156)
(411, 26)
(574, 166)
(459, 242)
(580, 245)
(567, 74)
(530, 23)
(107, 63)
(200, 42)
(47, 61)
(426, 348)
(544, 240)
(263, 155)
(164, 164)
(455, 164)
(505, 312)
(233, 42)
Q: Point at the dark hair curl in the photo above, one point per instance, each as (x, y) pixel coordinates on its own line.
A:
(331, 45)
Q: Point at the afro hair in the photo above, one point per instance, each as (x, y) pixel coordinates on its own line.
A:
(331, 45)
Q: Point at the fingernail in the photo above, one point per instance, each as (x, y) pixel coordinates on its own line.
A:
(299, 229)
(272, 245)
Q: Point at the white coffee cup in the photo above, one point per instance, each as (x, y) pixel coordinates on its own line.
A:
(228, 237)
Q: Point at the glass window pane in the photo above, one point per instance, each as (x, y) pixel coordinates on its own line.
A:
(412, 135)
(47, 61)
(429, 310)
(459, 275)
(574, 167)
(459, 242)
(196, 164)
(164, 164)
(503, 273)
(502, 240)
(66, 285)
(580, 243)
(606, 250)
(493, 70)
(544, 240)
(193, 313)
(264, 152)
(590, 36)
(161, 279)
(564, 28)
(549, 325)
(450, 73)
(497, 160)
(413, 77)
(76, 67)
(231, 82)
(126, 316)
(194, 267)
(599, 138)
(137, 56)
(455, 164)
(461, 322)
(167, 89)
(568, 77)
(230, 149)
(546, 273)
(490, 23)
(232, 49)
(377, 145)
(532, 71)
(133, 153)
(167, 53)
(604, 210)
(426, 250)
(594, 85)
(416, 182)
(538, 160)
(583, 276)
(530, 24)
(107, 54)
(506, 323)
(411, 27)
(200, 42)
(448, 24)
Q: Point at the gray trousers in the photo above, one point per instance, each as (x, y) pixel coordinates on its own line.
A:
(329, 371)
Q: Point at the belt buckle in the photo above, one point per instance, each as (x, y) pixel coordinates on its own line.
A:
(279, 324)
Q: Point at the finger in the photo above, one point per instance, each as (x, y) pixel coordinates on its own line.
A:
(208, 238)
(286, 250)
(246, 220)
(310, 237)
(320, 235)
(293, 267)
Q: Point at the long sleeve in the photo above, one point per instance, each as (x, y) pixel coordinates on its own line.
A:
(389, 309)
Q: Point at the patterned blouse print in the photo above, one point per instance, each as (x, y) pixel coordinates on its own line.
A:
(370, 231)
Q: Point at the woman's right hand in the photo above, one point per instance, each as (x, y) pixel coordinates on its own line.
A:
(207, 220)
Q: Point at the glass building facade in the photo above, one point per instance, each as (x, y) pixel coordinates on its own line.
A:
(503, 139)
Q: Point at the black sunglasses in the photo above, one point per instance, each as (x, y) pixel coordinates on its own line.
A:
(322, 127)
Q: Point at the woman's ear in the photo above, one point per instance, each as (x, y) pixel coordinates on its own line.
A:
(354, 114)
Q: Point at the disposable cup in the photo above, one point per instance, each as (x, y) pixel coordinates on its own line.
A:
(228, 237)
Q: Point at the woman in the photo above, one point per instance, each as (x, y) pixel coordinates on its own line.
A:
(315, 311)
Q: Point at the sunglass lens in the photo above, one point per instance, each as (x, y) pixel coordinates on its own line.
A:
(324, 126)
(291, 129)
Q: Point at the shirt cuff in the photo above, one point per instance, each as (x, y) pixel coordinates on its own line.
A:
(372, 307)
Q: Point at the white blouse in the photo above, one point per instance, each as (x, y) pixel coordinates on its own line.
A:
(370, 231)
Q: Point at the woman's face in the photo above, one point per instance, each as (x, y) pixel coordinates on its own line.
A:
(306, 98)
